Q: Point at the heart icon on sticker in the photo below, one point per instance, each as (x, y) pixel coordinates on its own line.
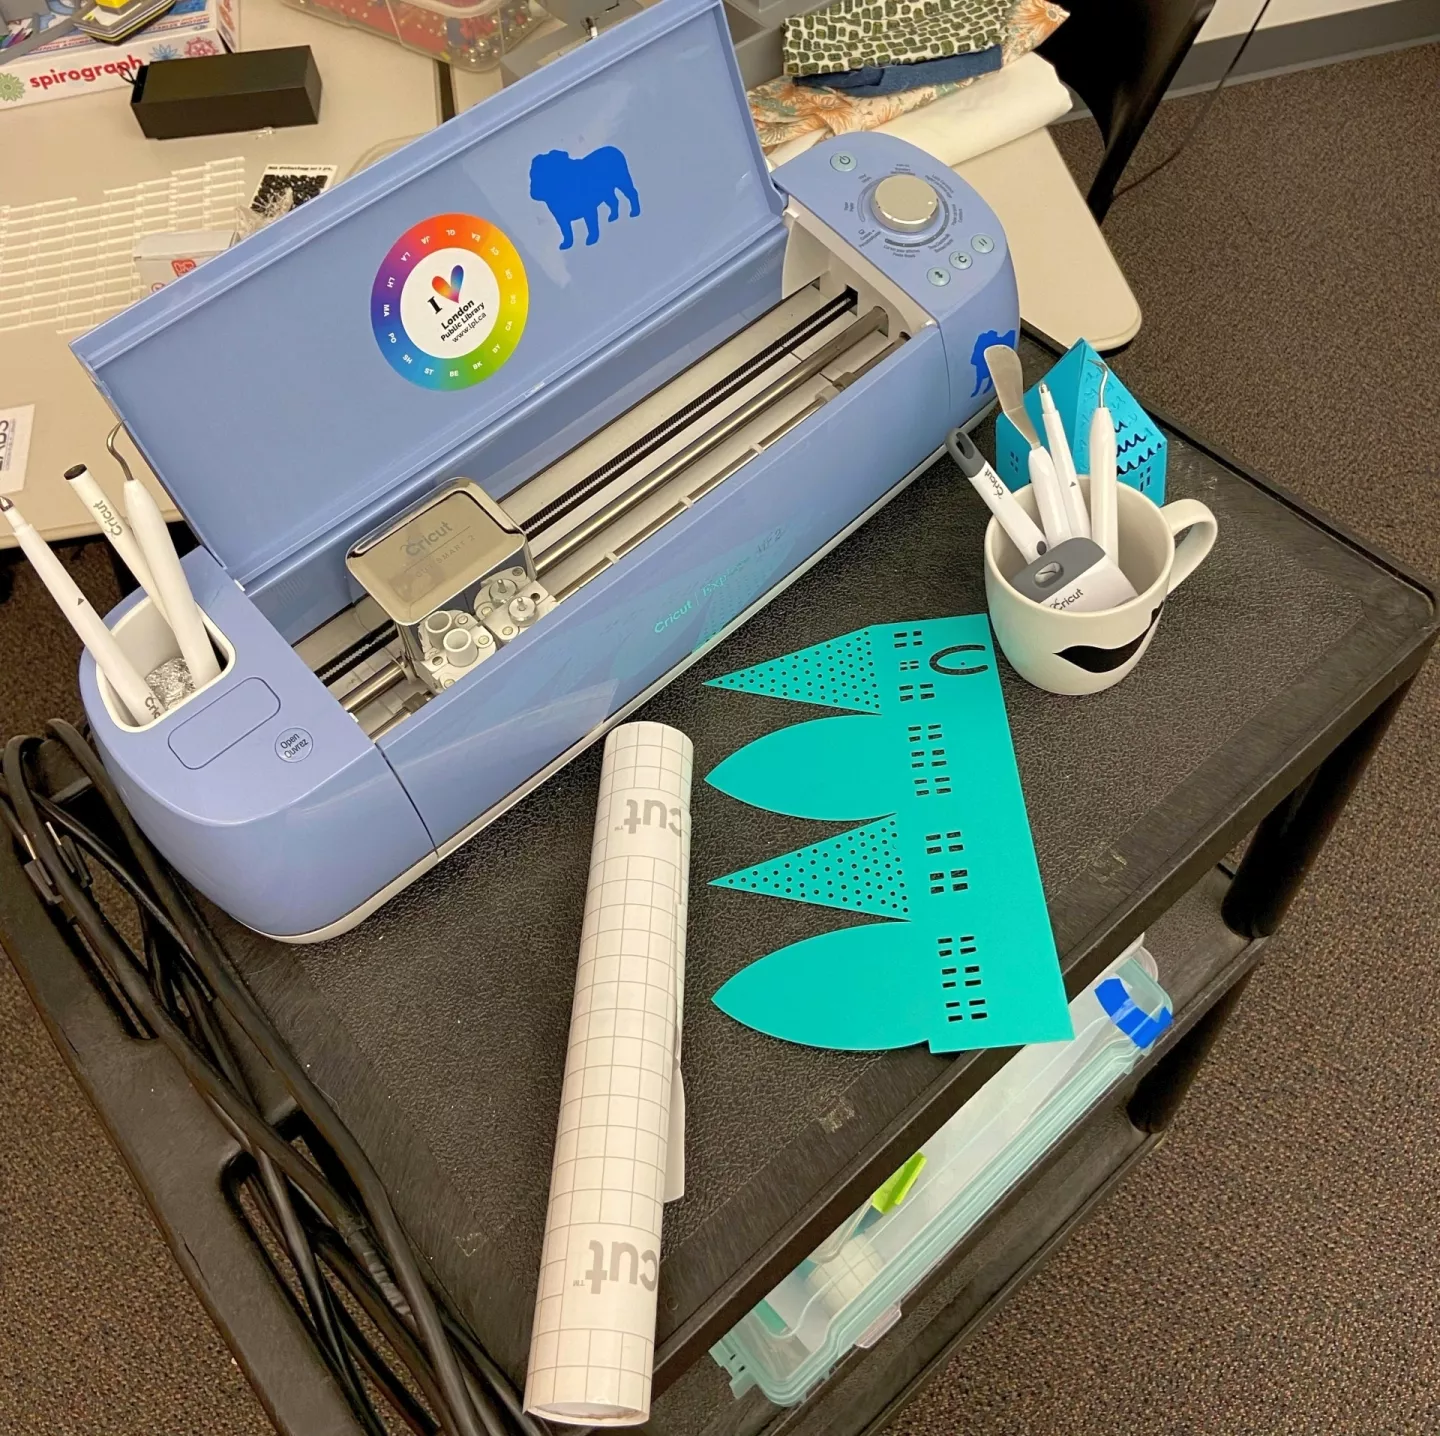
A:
(449, 289)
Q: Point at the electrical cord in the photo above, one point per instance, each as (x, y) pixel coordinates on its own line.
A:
(334, 1235)
(1204, 110)
(253, 1022)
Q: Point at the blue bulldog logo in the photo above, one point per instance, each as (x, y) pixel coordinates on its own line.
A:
(983, 381)
(574, 189)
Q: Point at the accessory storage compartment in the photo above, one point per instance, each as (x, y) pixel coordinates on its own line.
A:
(849, 1291)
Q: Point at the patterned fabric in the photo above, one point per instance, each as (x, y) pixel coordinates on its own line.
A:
(853, 33)
(784, 110)
(891, 79)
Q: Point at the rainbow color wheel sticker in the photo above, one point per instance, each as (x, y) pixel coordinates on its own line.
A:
(449, 302)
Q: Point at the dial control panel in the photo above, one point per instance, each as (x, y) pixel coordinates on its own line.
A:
(915, 220)
(905, 203)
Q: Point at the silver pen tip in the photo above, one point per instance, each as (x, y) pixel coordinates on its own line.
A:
(1104, 376)
(115, 453)
(5, 505)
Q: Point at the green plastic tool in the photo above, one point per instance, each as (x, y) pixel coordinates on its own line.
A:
(890, 1193)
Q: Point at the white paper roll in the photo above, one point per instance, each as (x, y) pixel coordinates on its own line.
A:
(617, 1149)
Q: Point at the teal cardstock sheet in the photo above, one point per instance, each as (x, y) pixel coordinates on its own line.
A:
(961, 954)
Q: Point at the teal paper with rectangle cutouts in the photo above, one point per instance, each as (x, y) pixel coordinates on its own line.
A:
(966, 958)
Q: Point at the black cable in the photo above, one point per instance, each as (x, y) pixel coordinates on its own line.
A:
(117, 870)
(467, 1418)
(197, 1067)
(253, 1132)
(358, 1283)
(367, 1358)
(273, 1198)
(1204, 110)
(257, 1136)
(410, 1411)
(353, 1276)
(198, 1002)
(95, 971)
(326, 1211)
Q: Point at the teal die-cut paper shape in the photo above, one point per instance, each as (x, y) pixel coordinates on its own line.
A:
(839, 673)
(967, 958)
(1074, 382)
(859, 870)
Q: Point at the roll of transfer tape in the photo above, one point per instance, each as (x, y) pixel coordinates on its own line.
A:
(619, 1146)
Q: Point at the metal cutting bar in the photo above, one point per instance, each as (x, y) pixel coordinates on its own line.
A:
(356, 653)
(712, 438)
(699, 406)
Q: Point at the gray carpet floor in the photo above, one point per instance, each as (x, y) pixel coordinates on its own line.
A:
(1272, 1268)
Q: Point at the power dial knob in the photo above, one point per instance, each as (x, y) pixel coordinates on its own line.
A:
(905, 203)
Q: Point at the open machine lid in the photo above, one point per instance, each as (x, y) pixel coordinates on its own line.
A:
(296, 379)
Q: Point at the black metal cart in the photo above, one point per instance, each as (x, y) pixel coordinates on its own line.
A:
(438, 1027)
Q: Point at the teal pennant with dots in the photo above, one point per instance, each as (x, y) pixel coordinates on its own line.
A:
(962, 955)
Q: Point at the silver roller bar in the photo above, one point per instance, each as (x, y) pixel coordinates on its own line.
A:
(712, 438)
(372, 688)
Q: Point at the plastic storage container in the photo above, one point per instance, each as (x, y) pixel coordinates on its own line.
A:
(848, 1291)
(469, 34)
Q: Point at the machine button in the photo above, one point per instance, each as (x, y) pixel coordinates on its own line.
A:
(939, 277)
(982, 244)
(905, 202)
(961, 260)
(842, 162)
(294, 745)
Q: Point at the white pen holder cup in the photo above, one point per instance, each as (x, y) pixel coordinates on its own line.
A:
(146, 640)
(1077, 652)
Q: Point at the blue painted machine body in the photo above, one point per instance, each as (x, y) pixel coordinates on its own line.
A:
(262, 790)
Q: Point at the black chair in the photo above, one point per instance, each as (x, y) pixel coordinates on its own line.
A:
(1120, 56)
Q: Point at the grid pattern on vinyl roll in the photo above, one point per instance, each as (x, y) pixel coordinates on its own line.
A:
(592, 1342)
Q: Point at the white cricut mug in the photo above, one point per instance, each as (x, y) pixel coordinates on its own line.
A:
(1074, 653)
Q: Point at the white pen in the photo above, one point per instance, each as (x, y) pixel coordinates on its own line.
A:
(1064, 463)
(1019, 527)
(1048, 498)
(110, 659)
(170, 582)
(113, 526)
(1103, 499)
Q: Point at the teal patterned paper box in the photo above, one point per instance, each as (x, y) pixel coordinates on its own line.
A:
(1074, 383)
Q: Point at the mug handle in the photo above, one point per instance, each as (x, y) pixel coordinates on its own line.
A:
(1190, 551)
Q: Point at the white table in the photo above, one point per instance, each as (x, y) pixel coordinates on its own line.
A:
(1070, 284)
(374, 91)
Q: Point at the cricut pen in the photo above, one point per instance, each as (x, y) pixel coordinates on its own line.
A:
(110, 659)
(1104, 502)
(1060, 456)
(171, 584)
(113, 526)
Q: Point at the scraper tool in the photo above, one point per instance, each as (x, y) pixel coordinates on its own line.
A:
(1004, 365)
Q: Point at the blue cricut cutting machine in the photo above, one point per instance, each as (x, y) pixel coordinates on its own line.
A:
(513, 425)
